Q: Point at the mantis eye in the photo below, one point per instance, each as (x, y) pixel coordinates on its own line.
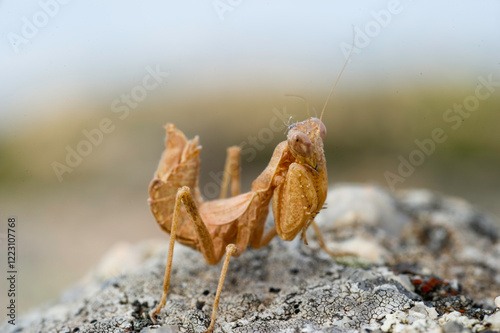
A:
(322, 131)
(301, 144)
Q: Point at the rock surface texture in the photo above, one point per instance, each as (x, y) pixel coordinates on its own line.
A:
(423, 263)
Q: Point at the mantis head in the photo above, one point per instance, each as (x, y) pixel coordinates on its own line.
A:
(305, 140)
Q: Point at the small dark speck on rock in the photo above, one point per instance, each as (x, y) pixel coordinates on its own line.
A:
(274, 290)
(294, 271)
(199, 305)
(206, 292)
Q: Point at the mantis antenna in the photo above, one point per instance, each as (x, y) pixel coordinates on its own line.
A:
(338, 78)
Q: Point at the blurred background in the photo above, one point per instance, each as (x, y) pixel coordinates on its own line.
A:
(86, 87)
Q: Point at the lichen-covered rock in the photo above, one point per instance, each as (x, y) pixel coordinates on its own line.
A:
(425, 263)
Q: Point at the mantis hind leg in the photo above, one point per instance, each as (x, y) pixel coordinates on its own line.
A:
(231, 172)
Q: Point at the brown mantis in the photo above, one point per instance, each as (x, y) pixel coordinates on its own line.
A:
(295, 180)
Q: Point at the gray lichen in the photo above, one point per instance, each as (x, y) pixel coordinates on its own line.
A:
(426, 263)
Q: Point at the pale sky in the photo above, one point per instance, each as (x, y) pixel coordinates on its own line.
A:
(97, 46)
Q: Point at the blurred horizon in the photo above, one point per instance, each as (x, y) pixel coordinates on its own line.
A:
(233, 78)
(209, 50)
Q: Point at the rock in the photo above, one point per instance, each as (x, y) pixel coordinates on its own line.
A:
(493, 322)
(427, 263)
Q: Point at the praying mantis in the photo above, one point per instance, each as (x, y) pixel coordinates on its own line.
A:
(295, 179)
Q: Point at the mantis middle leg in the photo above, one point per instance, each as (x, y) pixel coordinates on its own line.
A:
(322, 244)
(207, 247)
(211, 255)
